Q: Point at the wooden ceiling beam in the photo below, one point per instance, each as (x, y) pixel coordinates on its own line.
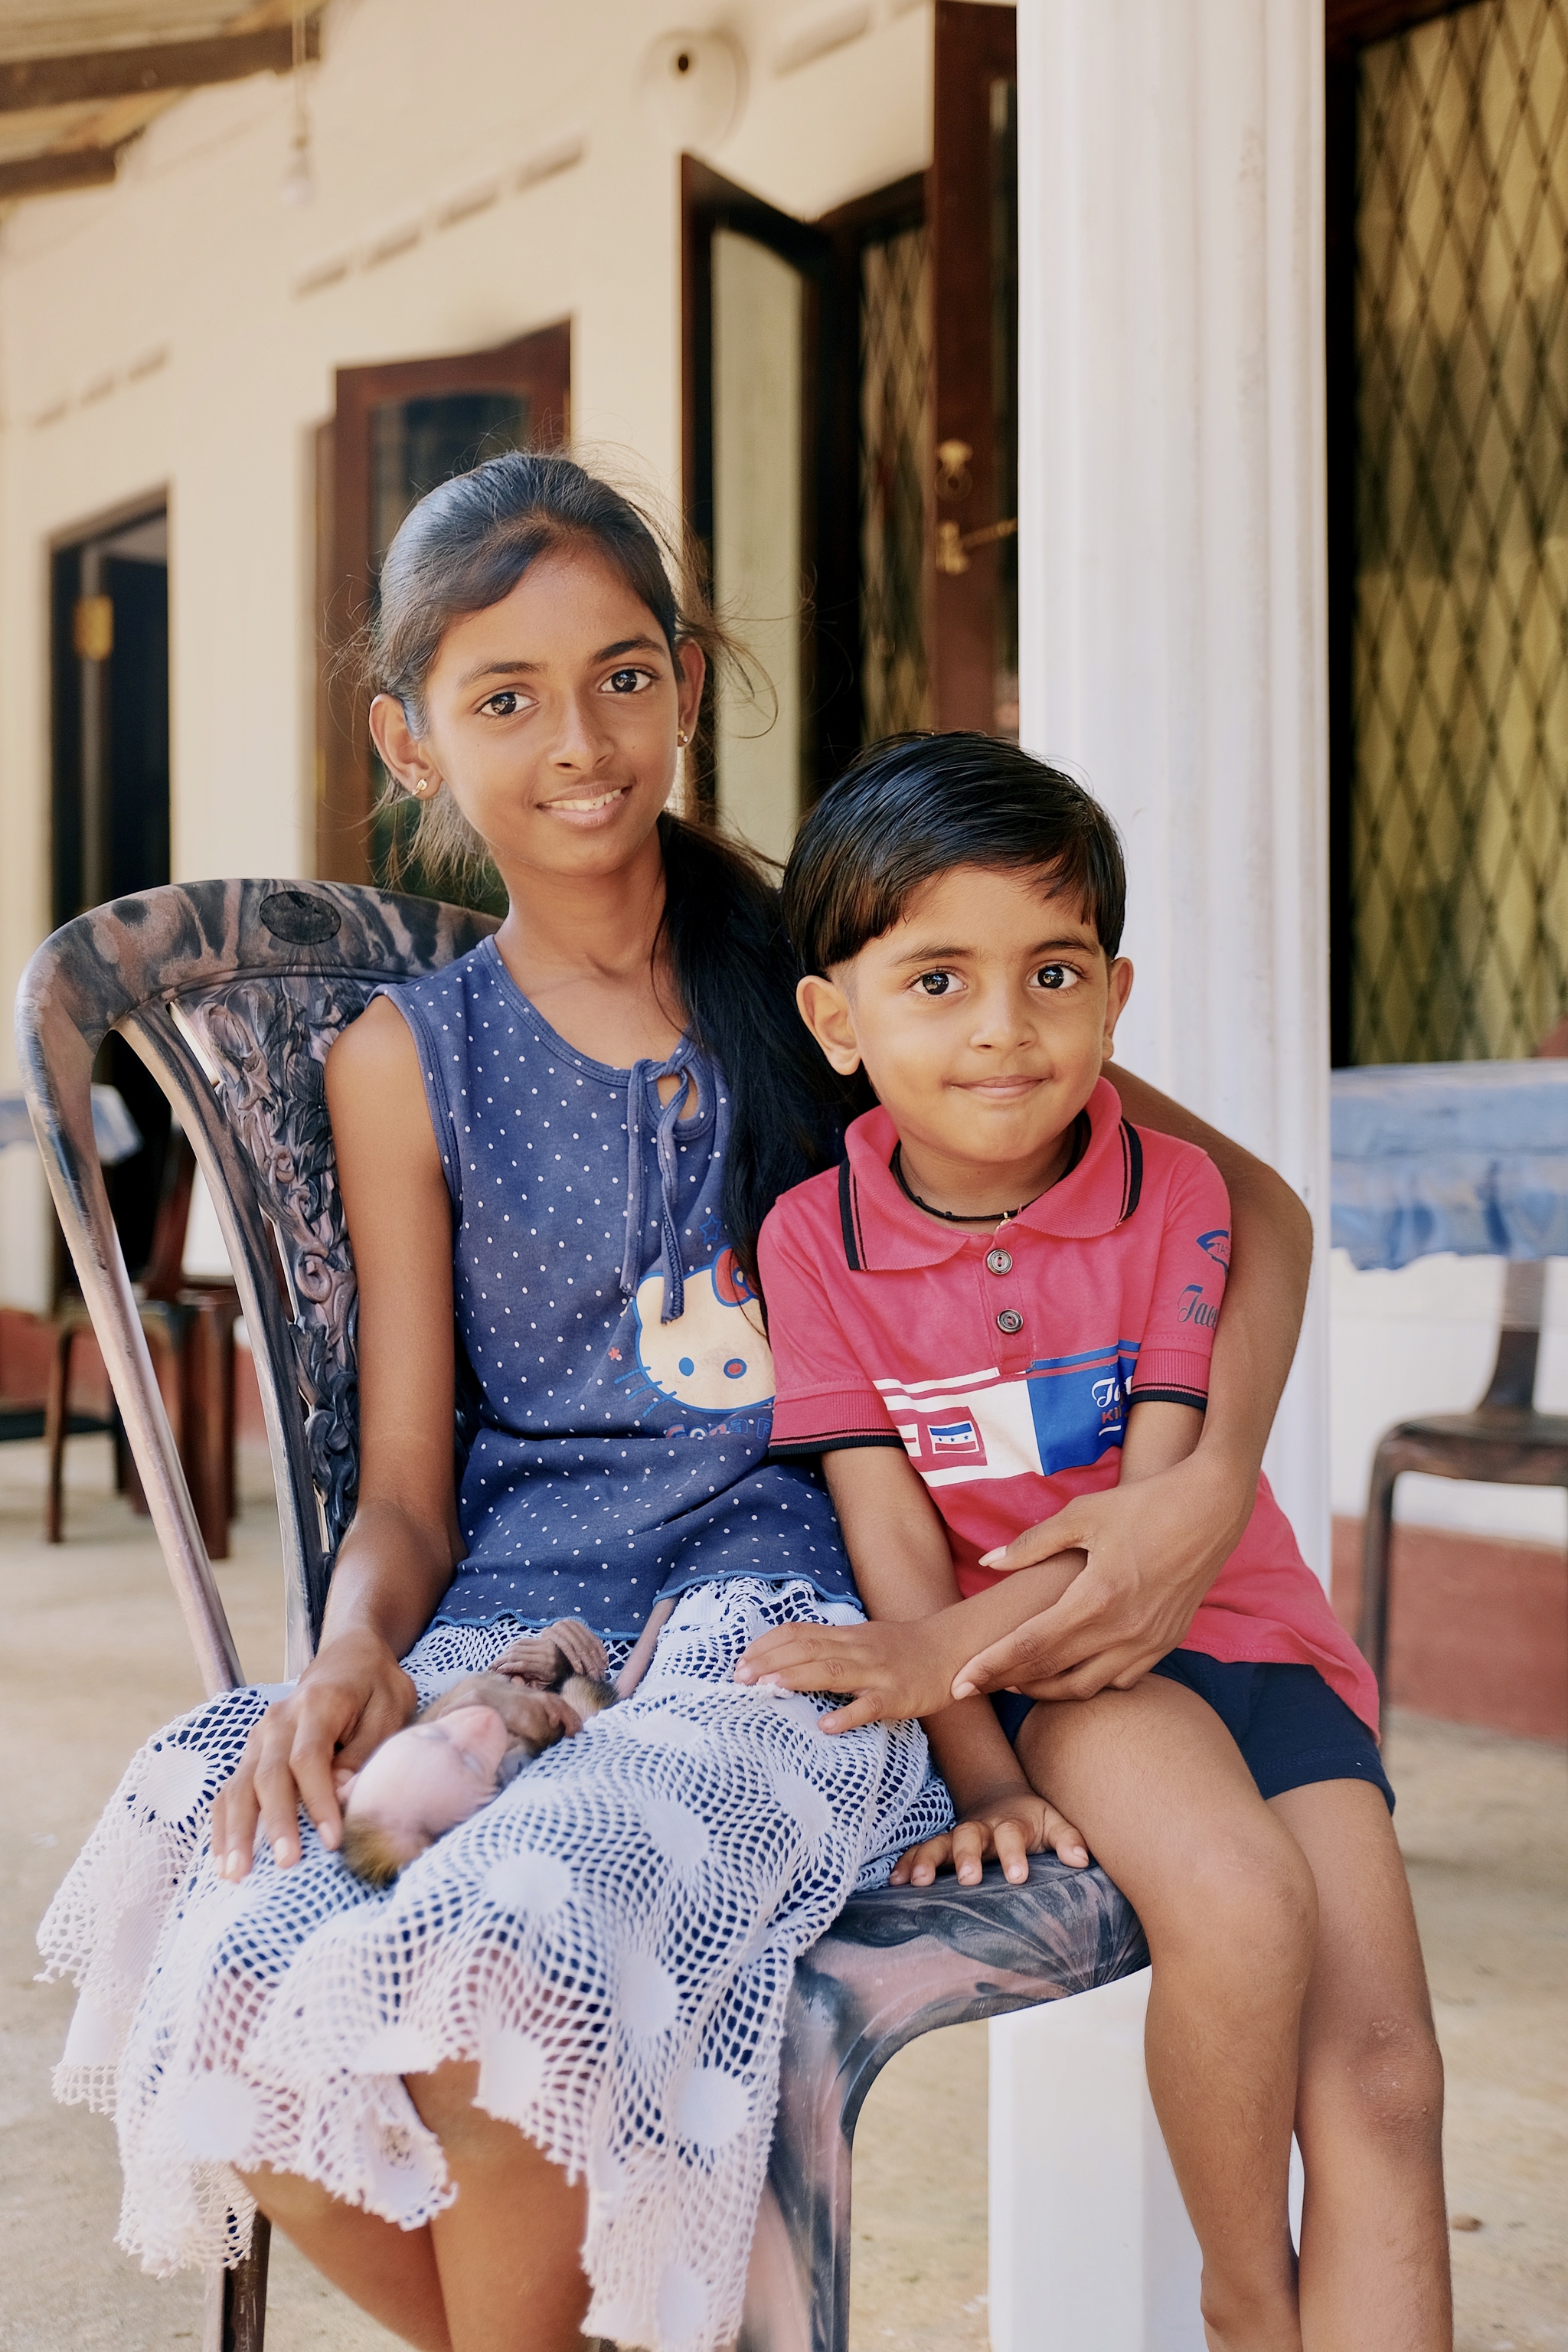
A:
(92, 75)
(50, 175)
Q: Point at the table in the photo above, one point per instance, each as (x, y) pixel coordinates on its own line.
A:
(1471, 1157)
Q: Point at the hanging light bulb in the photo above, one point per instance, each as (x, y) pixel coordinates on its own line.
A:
(298, 182)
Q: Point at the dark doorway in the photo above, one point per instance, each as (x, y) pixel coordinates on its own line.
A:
(110, 787)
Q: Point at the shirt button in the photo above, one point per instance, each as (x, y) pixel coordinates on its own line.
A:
(999, 1261)
(1009, 1320)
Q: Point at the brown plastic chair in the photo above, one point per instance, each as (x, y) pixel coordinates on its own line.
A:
(231, 993)
(189, 1328)
(1505, 1442)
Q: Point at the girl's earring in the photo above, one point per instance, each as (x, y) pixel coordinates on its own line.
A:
(681, 740)
(422, 786)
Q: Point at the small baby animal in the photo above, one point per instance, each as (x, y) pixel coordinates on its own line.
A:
(471, 1741)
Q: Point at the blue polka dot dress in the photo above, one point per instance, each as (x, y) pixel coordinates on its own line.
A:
(622, 1377)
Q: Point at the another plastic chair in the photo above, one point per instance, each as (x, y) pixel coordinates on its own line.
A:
(231, 992)
(189, 1324)
(1505, 1442)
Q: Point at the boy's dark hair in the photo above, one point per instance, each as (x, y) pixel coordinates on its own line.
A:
(461, 550)
(914, 807)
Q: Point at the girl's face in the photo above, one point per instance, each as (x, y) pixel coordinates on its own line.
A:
(552, 719)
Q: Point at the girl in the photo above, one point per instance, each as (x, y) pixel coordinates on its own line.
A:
(529, 2089)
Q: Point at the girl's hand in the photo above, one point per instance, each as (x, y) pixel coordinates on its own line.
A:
(353, 1696)
(1012, 1825)
(894, 1670)
(1153, 1548)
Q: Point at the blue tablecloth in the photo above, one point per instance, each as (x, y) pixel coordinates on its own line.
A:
(118, 1135)
(1471, 1157)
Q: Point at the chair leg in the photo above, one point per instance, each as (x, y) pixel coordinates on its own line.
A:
(1377, 1545)
(797, 2289)
(205, 1414)
(230, 1481)
(236, 2318)
(56, 1423)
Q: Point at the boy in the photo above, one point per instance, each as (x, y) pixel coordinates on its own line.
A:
(1006, 1296)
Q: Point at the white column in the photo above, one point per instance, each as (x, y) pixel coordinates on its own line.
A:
(1172, 629)
(1172, 552)
(1091, 2243)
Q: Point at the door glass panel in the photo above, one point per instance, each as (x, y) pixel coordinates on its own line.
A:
(758, 327)
(414, 444)
(895, 460)
(1459, 811)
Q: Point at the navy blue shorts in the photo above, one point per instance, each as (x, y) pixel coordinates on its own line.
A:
(1290, 1727)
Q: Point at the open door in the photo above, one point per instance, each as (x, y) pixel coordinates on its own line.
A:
(397, 431)
(758, 326)
(850, 410)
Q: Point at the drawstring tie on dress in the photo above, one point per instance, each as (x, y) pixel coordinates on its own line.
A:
(643, 1076)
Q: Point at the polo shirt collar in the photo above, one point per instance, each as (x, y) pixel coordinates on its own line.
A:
(885, 1233)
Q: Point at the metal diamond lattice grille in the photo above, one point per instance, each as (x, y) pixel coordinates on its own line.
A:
(895, 467)
(1460, 821)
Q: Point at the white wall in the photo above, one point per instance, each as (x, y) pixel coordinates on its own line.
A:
(152, 335)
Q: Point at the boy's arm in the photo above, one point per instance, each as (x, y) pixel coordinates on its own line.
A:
(903, 1662)
(1158, 1437)
(899, 1549)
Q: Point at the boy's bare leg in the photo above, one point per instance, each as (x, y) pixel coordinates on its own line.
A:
(388, 2272)
(1375, 2239)
(1227, 1903)
(509, 2248)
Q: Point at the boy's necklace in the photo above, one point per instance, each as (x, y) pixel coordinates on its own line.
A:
(948, 1216)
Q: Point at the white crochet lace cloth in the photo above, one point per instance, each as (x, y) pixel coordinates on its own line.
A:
(613, 1939)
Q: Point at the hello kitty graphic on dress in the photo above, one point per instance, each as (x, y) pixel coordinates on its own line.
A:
(714, 1357)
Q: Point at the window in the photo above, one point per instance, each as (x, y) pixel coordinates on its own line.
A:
(1451, 780)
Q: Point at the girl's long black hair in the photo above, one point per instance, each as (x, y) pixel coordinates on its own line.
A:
(737, 973)
(464, 548)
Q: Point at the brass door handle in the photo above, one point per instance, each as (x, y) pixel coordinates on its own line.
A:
(952, 545)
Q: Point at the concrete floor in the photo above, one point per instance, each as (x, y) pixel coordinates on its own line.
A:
(95, 1658)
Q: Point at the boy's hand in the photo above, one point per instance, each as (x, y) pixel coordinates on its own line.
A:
(1012, 1825)
(894, 1670)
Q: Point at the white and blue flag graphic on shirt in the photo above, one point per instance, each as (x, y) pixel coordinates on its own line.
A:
(1064, 1411)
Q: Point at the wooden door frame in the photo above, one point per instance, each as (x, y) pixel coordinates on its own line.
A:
(975, 46)
(537, 365)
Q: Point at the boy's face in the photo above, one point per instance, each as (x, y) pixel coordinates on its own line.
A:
(981, 1018)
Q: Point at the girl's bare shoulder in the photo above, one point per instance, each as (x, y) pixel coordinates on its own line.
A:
(379, 1044)
(375, 1089)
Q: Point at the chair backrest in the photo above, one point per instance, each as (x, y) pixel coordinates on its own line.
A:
(231, 993)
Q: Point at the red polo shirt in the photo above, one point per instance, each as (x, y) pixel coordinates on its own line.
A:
(1005, 1362)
